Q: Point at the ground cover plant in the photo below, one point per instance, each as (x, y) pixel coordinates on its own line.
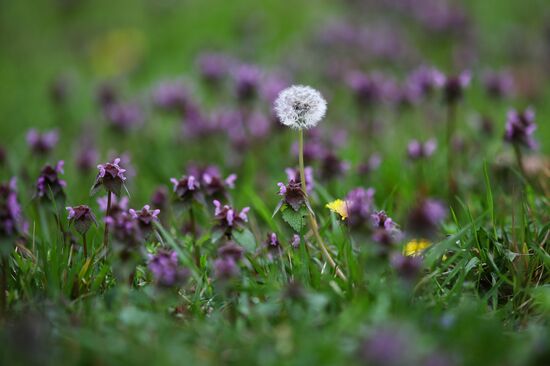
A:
(206, 182)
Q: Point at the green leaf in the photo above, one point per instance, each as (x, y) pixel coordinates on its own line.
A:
(296, 219)
(246, 239)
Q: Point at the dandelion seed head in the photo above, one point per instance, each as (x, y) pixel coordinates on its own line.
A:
(300, 107)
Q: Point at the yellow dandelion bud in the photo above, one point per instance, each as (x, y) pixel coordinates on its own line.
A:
(416, 247)
(339, 206)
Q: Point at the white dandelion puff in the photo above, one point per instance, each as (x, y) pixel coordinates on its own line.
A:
(300, 107)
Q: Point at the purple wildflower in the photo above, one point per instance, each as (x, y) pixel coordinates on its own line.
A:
(498, 84)
(292, 194)
(187, 188)
(385, 346)
(380, 220)
(166, 269)
(455, 85)
(295, 242)
(81, 217)
(407, 267)
(213, 185)
(123, 117)
(294, 175)
(172, 97)
(520, 128)
(359, 206)
(228, 218)
(213, 67)
(126, 232)
(145, 218)
(426, 80)
(10, 211)
(272, 243)
(159, 198)
(417, 150)
(425, 217)
(49, 183)
(333, 167)
(368, 89)
(86, 158)
(231, 250)
(225, 269)
(111, 177)
(42, 143)
(247, 81)
(118, 206)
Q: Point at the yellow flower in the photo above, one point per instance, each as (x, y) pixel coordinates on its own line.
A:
(416, 247)
(340, 207)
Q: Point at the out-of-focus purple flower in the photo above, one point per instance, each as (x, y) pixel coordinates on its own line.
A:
(59, 90)
(272, 244)
(314, 150)
(81, 217)
(426, 80)
(231, 250)
(10, 210)
(373, 162)
(455, 85)
(187, 188)
(407, 267)
(426, 216)
(294, 175)
(49, 183)
(111, 177)
(439, 358)
(118, 206)
(385, 347)
(258, 125)
(333, 167)
(86, 158)
(498, 84)
(359, 206)
(520, 128)
(272, 86)
(159, 199)
(212, 183)
(295, 242)
(417, 150)
(124, 117)
(145, 218)
(225, 269)
(368, 89)
(228, 218)
(247, 81)
(292, 194)
(172, 97)
(380, 220)
(106, 95)
(126, 232)
(213, 67)
(42, 143)
(166, 269)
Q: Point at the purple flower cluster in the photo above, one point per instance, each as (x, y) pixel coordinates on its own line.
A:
(417, 150)
(42, 143)
(292, 194)
(294, 175)
(171, 97)
(81, 217)
(455, 85)
(520, 128)
(228, 218)
(166, 269)
(426, 216)
(359, 204)
(48, 183)
(187, 189)
(10, 211)
(145, 218)
(124, 117)
(111, 177)
(211, 181)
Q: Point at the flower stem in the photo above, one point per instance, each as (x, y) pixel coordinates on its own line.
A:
(4, 286)
(107, 213)
(451, 121)
(196, 250)
(312, 220)
(85, 245)
(519, 160)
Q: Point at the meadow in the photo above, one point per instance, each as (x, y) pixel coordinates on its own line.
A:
(322, 182)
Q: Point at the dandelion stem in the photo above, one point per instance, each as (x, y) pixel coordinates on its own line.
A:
(312, 220)
(107, 213)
